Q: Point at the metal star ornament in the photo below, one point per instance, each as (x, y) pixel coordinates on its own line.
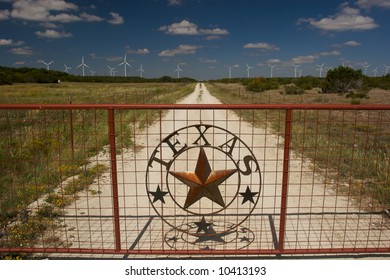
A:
(158, 195)
(203, 182)
(202, 225)
(248, 195)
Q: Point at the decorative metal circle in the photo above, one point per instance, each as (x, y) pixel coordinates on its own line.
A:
(200, 172)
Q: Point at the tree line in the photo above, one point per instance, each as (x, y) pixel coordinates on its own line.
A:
(9, 75)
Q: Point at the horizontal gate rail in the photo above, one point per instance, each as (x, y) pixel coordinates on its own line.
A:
(194, 106)
(292, 221)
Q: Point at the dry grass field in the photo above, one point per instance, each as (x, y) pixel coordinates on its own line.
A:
(348, 145)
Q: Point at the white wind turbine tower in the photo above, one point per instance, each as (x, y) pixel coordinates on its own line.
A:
(67, 68)
(47, 64)
(141, 70)
(248, 68)
(125, 64)
(295, 69)
(365, 66)
(111, 70)
(178, 69)
(230, 72)
(272, 69)
(319, 68)
(387, 69)
(92, 72)
(375, 71)
(83, 65)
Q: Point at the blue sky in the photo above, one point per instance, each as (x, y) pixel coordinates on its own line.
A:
(207, 38)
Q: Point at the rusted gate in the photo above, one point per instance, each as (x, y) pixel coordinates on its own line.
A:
(194, 179)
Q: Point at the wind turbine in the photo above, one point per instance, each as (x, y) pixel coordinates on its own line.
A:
(178, 69)
(92, 72)
(230, 72)
(83, 65)
(272, 69)
(387, 69)
(375, 71)
(365, 66)
(111, 70)
(295, 70)
(248, 68)
(141, 70)
(47, 64)
(320, 68)
(67, 68)
(125, 64)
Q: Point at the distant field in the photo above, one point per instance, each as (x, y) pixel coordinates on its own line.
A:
(93, 93)
(238, 94)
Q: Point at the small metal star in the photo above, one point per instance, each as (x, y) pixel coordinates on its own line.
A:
(202, 225)
(212, 235)
(174, 239)
(246, 239)
(158, 195)
(248, 195)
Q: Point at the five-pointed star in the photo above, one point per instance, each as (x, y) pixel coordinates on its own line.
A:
(248, 195)
(202, 225)
(158, 195)
(203, 182)
(212, 235)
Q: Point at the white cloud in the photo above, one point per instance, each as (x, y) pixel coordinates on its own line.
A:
(332, 53)
(180, 50)
(181, 28)
(89, 17)
(4, 14)
(116, 19)
(186, 27)
(10, 42)
(39, 10)
(138, 51)
(175, 2)
(304, 59)
(6, 42)
(47, 11)
(274, 61)
(202, 60)
(261, 46)
(346, 19)
(352, 44)
(367, 4)
(53, 34)
(22, 51)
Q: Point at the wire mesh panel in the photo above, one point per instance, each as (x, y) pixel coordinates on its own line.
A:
(194, 179)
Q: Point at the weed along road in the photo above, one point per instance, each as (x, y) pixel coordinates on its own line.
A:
(203, 179)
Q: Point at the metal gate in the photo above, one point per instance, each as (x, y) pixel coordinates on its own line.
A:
(194, 179)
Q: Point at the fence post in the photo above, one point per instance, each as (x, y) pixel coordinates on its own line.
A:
(286, 161)
(114, 178)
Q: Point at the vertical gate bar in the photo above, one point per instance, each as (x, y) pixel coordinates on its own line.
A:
(114, 178)
(71, 133)
(286, 161)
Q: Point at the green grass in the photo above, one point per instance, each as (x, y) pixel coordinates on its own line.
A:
(348, 147)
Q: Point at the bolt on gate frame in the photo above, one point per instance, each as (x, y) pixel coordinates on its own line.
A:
(195, 179)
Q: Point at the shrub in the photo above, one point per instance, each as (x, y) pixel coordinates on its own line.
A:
(308, 82)
(293, 90)
(261, 84)
(343, 80)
